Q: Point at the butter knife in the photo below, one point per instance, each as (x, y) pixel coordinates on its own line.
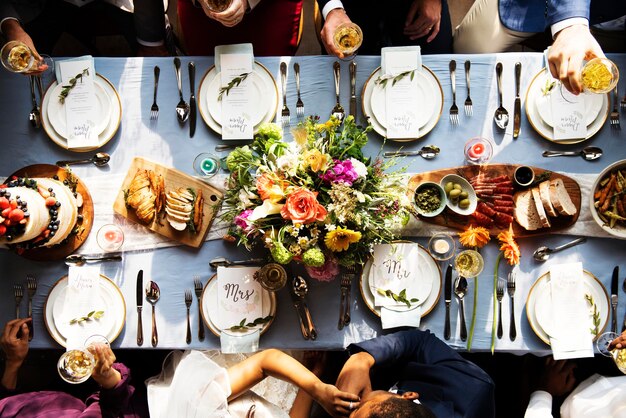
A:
(517, 106)
(192, 99)
(139, 295)
(353, 89)
(448, 300)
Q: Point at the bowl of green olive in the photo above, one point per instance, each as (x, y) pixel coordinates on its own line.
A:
(460, 195)
(429, 199)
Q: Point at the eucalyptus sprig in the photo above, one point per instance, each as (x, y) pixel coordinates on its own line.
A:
(596, 315)
(244, 327)
(93, 315)
(67, 88)
(384, 79)
(233, 83)
(548, 87)
(400, 297)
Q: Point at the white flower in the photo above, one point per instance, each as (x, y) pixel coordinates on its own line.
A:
(329, 227)
(245, 197)
(266, 209)
(288, 162)
(359, 167)
(360, 197)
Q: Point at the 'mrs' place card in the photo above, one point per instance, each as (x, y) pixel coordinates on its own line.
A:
(238, 296)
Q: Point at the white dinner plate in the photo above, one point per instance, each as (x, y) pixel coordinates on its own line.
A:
(257, 91)
(543, 128)
(56, 110)
(593, 105)
(539, 311)
(115, 117)
(432, 108)
(210, 307)
(429, 272)
(110, 325)
(270, 97)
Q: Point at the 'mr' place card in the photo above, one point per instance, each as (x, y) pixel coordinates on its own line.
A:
(395, 268)
(238, 296)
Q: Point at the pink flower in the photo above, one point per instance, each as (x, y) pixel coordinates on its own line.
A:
(326, 272)
(241, 220)
(341, 171)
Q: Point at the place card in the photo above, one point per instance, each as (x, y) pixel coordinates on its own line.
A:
(568, 114)
(398, 66)
(80, 103)
(395, 269)
(237, 108)
(81, 297)
(570, 313)
(239, 296)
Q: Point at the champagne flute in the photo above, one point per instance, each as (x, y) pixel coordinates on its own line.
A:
(76, 365)
(348, 38)
(17, 57)
(618, 355)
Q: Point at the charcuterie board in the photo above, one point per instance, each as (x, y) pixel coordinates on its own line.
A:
(475, 174)
(173, 179)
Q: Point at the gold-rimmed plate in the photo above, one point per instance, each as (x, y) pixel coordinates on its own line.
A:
(534, 94)
(538, 305)
(434, 100)
(428, 270)
(110, 325)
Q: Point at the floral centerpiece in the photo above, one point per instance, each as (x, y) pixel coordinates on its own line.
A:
(317, 200)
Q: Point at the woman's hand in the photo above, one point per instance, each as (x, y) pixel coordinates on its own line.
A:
(334, 401)
(103, 373)
(231, 16)
(15, 348)
(423, 18)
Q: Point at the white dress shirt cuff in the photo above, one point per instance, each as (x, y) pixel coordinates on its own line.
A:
(331, 5)
(540, 405)
(253, 3)
(559, 26)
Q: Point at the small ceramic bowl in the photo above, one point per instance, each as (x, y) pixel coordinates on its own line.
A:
(422, 188)
(466, 187)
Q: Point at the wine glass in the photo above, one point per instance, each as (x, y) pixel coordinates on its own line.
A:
(17, 57)
(348, 38)
(217, 6)
(76, 365)
(469, 263)
(599, 75)
(618, 355)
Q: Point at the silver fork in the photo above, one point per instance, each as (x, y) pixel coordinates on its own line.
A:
(510, 286)
(337, 111)
(614, 112)
(18, 293)
(500, 295)
(283, 80)
(188, 300)
(299, 103)
(454, 110)
(154, 110)
(31, 286)
(468, 102)
(197, 285)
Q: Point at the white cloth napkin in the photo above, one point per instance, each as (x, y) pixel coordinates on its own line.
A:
(570, 326)
(81, 298)
(597, 396)
(390, 318)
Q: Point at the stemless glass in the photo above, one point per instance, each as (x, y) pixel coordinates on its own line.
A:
(618, 355)
(17, 57)
(469, 263)
(217, 6)
(348, 38)
(75, 365)
(599, 75)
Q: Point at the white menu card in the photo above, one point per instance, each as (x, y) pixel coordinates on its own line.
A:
(238, 295)
(236, 104)
(81, 298)
(401, 97)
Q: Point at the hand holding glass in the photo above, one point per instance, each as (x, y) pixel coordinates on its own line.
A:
(75, 366)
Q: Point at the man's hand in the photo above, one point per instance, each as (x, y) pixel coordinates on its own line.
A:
(558, 377)
(334, 18)
(355, 374)
(423, 18)
(619, 342)
(13, 31)
(334, 401)
(103, 373)
(231, 16)
(571, 46)
(15, 349)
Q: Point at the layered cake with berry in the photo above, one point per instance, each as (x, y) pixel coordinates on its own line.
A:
(36, 212)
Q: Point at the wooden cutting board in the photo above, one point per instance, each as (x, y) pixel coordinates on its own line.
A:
(455, 221)
(173, 179)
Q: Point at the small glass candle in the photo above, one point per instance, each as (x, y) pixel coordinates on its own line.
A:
(441, 246)
(110, 237)
(478, 150)
(206, 165)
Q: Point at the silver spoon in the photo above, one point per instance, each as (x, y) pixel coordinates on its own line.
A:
(99, 160)
(543, 253)
(301, 288)
(153, 293)
(460, 288)
(79, 260)
(428, 152)
(588, 153)
(224, 262)
(501, 117)
(182, 108)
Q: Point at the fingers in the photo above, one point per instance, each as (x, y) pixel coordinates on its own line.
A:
(231, 16)
(13, 327)
(434, 32)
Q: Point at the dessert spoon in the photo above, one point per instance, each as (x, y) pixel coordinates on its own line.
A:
(543, 253)
(99, 160)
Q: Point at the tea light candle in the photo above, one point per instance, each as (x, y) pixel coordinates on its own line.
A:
(110, 237)
(208, 166)
(441, 246)
(476, 150)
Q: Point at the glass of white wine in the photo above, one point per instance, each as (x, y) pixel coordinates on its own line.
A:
(17, 57)
(75, 365)
(348, 38)
(599, 75)
(469, 263)
(618, 355)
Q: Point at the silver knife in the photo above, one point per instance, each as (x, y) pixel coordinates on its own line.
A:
(614, 290)
(139, 294)
(448, 299)
(192, 99)
(517, 106)
(353, 89)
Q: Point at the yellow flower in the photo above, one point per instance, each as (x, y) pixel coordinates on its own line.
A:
(474, 237)
(340, 239)
(300, 135)
(509, 247)
(316, 160)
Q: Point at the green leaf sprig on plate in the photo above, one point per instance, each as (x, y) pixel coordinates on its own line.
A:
(400, 297)
(596, 315)
(233, 83)
(67, 88)
(91, 316)
(548, 87)
(384, 79)
(245, 327)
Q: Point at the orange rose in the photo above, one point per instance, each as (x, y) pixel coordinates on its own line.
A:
(302, 207)
(269, 189)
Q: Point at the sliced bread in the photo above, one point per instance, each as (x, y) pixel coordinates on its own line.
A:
(543, 216)
(526, 211)
(544, 192)
(560, 198)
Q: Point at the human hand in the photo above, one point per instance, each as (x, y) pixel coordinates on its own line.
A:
(619, 342)
(334, 18)
(557, 377)
(355, 374)
(427, 22)
(231, 16)
(15, 349)
(334, 401)
(103, 373)
(13, 31)
(571, 46)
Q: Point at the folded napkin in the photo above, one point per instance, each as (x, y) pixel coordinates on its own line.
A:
(597, 396)
(81, 297)
(390, 318)
(570, 336)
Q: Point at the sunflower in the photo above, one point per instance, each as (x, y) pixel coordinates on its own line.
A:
(474, 237)
(509, 247)
(340, 239)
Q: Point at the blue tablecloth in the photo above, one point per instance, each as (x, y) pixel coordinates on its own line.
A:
(169, 143)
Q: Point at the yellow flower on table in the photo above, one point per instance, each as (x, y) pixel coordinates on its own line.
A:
(509, 247)
(316, 160)
(340, 239)
(474, 237)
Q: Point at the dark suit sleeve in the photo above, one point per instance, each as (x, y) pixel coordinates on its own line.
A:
(149, 18)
